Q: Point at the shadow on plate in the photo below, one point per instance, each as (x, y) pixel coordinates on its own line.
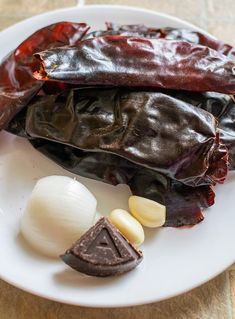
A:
(151, 234)
(72, 278)
(23, 244)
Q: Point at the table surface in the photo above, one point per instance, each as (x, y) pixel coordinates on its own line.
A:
(213, 300)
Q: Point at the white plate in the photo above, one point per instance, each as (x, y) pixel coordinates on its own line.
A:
(175, 260)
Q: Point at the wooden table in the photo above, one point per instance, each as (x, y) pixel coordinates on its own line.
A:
(214, 300)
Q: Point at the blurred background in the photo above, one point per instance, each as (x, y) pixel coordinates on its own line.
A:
(215, 16)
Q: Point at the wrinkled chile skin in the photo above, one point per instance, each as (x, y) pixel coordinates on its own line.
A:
(222, 106)
(191, 36)
(129, 124)
(17, 85)
(139, 62)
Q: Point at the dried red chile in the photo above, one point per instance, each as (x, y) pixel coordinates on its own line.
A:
(17, 85)
(138, 62)
(191, 36)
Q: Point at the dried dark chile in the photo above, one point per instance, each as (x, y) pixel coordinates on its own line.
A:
(149, 128)
(222, 106)
(184, 203)
(127, 27)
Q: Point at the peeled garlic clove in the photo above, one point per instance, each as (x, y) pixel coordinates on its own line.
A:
(127, 225)
(59, 210)
(148, 212)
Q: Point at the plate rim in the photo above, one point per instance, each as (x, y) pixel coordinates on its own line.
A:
(116, 305)
(109, 6)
